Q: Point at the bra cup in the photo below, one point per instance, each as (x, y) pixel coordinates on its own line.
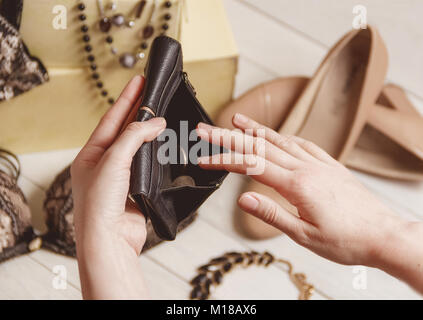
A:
(16, 231)
(58, 206)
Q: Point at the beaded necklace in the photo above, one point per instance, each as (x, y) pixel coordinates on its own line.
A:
(127, 59)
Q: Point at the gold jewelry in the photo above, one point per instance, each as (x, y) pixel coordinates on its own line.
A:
(211, 274)
(149, 110)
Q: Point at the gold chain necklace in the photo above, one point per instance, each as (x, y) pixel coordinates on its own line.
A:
(211, 274)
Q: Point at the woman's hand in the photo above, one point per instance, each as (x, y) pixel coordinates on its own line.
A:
(110, 232)
(337, 217)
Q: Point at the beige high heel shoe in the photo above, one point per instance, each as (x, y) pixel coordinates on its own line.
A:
(359, 133)
(333, 108)
(268, 103)
(391, 144)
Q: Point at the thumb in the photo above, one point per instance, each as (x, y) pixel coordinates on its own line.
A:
(272, 213)
(131, 139)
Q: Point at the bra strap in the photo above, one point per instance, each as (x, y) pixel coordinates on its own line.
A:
(13, 161)
(12, 11)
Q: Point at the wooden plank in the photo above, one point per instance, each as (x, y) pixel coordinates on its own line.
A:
(249, 75)
(278, 50)
(24, 278)
(404, 194)
(161, 283)
(51, 260)
(42, 167)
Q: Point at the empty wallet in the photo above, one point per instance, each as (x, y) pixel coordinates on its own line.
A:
(168, 192)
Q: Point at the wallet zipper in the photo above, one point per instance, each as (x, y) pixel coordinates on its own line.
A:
(185, 77)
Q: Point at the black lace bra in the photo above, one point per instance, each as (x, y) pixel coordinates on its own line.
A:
(16, 233)
(19, 71)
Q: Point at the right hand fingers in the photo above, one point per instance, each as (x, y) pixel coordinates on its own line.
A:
(258, 168)
(272, 213)
(277, 173)
(237, 141)
(301, 148)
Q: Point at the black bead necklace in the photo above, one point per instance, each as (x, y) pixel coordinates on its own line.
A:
(90, 55)
(126, 59)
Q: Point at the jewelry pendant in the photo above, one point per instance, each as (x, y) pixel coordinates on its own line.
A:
(112, 6)
(140, 55)
(105, 25)
(127, 60)
(140, 8)
(148, 31)
(118, 20)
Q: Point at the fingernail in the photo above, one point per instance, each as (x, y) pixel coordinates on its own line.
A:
(158, 122)
(240, 118)
(202, 133)
(205, 126)
(137, 78)
(203, 160)
(248, 202)
(250, 160)
(161, 131)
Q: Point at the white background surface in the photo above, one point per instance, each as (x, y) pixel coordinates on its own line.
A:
(275, 38)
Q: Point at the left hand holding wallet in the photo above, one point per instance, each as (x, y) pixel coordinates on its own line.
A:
(166, 183)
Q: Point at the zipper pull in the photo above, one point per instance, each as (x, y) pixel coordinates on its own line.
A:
(185, 76)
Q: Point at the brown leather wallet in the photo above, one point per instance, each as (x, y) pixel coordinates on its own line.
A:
(168, 192)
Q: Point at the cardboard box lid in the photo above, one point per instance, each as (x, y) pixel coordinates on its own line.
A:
(205, 31)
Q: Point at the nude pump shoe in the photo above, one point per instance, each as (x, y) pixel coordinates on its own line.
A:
(338, 111)
(391, 144)
(331, 111)
(268, 103)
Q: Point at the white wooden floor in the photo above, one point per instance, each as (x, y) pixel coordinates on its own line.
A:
(276, 38)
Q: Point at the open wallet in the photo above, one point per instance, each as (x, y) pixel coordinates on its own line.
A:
(166, 182)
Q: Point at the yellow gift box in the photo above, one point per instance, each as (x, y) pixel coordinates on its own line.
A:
(63, 112)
